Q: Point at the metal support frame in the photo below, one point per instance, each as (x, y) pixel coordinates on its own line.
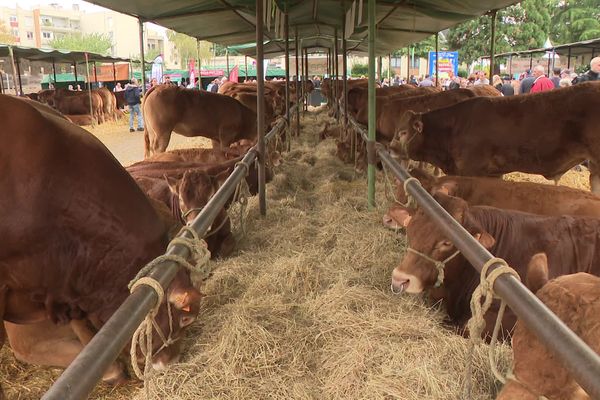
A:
(1, 82)
(297, 49)
(408, 64)
(227, 60)
(531, 61)
(306, 74)
(301, 59)
(76, 77)
(372, 110)
(379, 68)
(510, 65)
(199, 65)
(389, 71)
(286, 29)
(54, 72)
(142, 56)
(95, 73)
(569, 59)
(89, 86)
(18, 62)
(437, 59)
(260, 107)
(345, 90)
(336, 74)
(114, 75)
(492, 44)
(246, 68)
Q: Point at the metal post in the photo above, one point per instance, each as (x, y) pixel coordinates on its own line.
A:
(297, 49)
(286, 27)
(19, 75)
(530, 60)
(1, 83)
(379, 77)
(389, 76)
(246, 67)
(76, 78)
(307, 77)
(87, 70)
(143, 62)
(345, 91)
(408, 64)
(95, 75)
(114, 74)
(510, 66)
(569, 59)
(199, 64)
(227, 60)
(493, 44)
(336, 74)
(372, 110)
(260, 108)
(437, 58)
(54, 73)
(549, 61)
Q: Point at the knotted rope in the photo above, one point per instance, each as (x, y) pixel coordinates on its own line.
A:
(439, 265)
(240, 196)
(476, 324)
(143, 334)
(390, 192)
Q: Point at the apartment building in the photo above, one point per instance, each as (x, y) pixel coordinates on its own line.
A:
(38, 26)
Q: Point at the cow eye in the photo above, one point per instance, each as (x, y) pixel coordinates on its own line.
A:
(446, 244)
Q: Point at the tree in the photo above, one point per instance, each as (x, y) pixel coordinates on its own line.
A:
(5, 36)
(575, 20)
(422, 48)
(94, 43)
(185, 45)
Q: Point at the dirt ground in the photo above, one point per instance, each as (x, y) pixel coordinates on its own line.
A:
(302, 309)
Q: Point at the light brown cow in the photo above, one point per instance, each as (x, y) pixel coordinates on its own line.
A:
(575, 299)
(78, 103)
(194, 113)
(530, 197)
(547, 133)
(109, 103)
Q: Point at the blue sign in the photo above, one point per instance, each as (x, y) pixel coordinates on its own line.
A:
(448, 63)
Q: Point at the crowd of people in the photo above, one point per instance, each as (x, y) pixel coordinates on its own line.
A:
(531, 81)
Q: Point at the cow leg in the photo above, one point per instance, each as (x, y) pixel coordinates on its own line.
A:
(594, 177)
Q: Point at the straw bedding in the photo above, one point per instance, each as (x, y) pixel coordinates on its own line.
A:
(303, 309)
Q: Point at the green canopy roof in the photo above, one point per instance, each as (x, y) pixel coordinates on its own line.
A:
(66, 77)
(59, 56)
(232, 22)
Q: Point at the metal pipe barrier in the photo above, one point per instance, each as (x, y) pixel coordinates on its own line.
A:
(79, 379)
(581, 361)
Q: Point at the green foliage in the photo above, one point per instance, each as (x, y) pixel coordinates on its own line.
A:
(575, 20)
(94, 43)
(422, 48)
(463, 73)
(151, 54)
(221, 50)
(5, 36)
(359, 69)
(188, 48)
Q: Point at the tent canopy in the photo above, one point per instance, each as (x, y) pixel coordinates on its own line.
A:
(591, 46)
(233, 22)
(59, 56)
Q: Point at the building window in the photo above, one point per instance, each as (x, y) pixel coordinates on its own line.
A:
(47, 35)
(415, 62)
(29, 35)
(15, 32)
(46, 21)
(13, 18)
(396, 62)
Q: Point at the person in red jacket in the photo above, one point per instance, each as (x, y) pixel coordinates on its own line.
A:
(542, 83)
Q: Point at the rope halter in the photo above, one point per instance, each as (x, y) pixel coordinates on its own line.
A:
(439, 265)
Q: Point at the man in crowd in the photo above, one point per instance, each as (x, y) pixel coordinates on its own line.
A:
(556, 77)
(426, 82)
(506, 88)
(482, 78)
(593, 74)
(527, 82)
(133, 95)
(541, 83)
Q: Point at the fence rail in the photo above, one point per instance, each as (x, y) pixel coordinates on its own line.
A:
(581, 361)
(79, 379)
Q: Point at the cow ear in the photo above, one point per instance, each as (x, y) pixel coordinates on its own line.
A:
(455, 206)
(485, 239)
(537, 272)
(396, 218)
(173, 184)
(450, 188)
(184, 298)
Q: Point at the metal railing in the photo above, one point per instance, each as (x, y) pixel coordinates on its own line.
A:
(581, 361)
(79, 379)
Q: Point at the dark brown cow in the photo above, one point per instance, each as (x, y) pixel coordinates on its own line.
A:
(529, 197)
(194, 113)
(68, 253)
(120, 99)
(249, 100)
(542, 133)
(572, 245)
(575, 299)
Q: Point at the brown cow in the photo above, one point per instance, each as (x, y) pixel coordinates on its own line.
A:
(81, 120)
(547, 133)
(529, 197)
(572, 245)
(69, 102)
(249, 100)
(575, 299)
(194, 113)
(109, 103)
(67, 254)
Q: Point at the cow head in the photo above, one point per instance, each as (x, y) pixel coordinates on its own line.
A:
(409, 129)
(194, 190)
(537, 272)
(178, 311)
(418, 270)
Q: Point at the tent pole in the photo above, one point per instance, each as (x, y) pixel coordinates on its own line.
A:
(246, 68)
(54, 73)
(296, 44)
(372, 110)
(307, 77)
(76, 78)
(87, 70)
(114, 75)
(493, 44)
(408, 64)
(18, 61)
(530, 60)
(227, 60)
(95, 74)
(345, 91)
(437, 55)
(510, 66)
(389, 76)
(286, 27)
(379, 77)
(336, 54)
(569, 59)
(199, 65)
(143, 62)
(260, 107)
(14, 68)
(1, 83)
